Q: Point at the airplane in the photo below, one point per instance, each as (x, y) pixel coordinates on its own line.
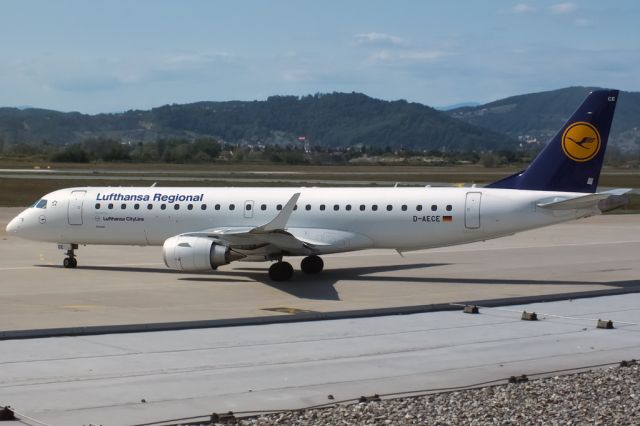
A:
(201, 229)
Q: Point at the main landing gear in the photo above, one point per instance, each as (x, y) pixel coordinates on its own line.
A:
(283, 271)
(312, 264)
(69, 261)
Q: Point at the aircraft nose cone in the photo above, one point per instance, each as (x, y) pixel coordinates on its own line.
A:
(14, 225)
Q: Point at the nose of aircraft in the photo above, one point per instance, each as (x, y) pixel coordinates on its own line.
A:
(14, 225)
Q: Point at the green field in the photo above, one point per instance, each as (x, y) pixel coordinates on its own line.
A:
(22, 183)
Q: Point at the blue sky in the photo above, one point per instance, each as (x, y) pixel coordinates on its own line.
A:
(105, 56)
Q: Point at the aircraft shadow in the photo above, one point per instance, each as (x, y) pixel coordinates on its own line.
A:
(118, 269)
(315, 287)
(322, 286)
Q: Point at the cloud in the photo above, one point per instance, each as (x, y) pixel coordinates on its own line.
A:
(190, 59)
(380, 39)
(582, 22)
(522, 8)
(391, 56)
(562, 8)
(93, 74)
(297, 75)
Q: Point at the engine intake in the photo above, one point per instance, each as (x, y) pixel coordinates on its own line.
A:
(196, 254)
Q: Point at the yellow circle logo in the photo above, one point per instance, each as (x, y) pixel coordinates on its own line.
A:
(581, 141)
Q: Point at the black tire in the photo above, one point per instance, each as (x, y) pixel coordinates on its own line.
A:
(281, 271)
(74, 262)
(312, 264)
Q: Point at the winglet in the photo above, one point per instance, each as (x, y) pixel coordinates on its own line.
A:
(280, 221)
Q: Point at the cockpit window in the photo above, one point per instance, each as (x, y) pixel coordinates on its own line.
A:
(40, 204)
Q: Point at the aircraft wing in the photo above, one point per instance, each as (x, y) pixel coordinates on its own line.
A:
(276, 237)
(607, 200)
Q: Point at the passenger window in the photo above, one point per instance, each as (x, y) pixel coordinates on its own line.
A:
(247, 206)
(322, 207)
(434, 207)
(347, 207)
(123, 206)
(279, 207)
(110, 206)
(97, 206)
(374, 207)
(232, 206)
(176, 206)
(217, 207)
(336, 207)
(163, 206)
(149, 206)
(189, 206)
(307, 207)
(136, 206)
(203, 207)
(419, 208)
(449, 207)
(263, 207)
(362, 207)
(389, 207)
(404, 207)
(295, 207)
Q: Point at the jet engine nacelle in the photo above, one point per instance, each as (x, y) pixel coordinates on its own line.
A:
(195, 254)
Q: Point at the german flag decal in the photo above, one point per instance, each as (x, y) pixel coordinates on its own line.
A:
(447, 218)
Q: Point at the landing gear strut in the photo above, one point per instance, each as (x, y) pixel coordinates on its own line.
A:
(312, 264)
(69, 261)
(281, 271)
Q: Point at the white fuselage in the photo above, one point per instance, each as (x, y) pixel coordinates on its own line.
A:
(342, 219)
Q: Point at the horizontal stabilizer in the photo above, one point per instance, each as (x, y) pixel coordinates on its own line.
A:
(583, 202)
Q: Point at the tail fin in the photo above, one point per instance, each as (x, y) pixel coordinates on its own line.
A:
(572, 160)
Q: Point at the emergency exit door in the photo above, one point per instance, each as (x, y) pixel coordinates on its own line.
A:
(472, 210)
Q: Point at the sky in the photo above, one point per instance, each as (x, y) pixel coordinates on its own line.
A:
(109, 56)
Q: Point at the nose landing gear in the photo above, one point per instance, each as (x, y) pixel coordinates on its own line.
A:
(69, 261)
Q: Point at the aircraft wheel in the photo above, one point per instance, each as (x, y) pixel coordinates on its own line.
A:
(69, 262)
(281, 271)
(312, 264)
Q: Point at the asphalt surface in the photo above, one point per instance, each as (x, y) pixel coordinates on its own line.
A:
(143, 377)
(130, 285)
(146, 377)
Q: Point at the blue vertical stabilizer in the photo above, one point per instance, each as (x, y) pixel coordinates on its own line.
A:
(572, 160)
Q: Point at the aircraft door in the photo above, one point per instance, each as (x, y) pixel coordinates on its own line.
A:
(472, 210)
(248, 209)
(74, 210)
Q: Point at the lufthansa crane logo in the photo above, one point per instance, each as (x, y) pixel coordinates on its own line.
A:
(581, 141)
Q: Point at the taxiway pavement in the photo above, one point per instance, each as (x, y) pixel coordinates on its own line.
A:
(146, 377)
(130, 285)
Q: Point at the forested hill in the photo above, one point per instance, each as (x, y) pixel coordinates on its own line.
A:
(540, 115)
(338, 119)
